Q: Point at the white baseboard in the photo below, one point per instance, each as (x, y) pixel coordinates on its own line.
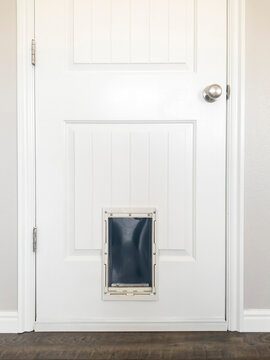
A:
(256, 320)
(9, 322)
(131, 326)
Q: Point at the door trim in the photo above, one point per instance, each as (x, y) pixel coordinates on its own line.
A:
(235, 164)
(26, 164)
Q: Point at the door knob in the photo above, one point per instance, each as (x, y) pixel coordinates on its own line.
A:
(212, 92)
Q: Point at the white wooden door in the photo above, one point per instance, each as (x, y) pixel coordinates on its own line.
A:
(121, 122)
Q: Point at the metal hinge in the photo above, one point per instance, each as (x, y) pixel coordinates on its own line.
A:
(33, 52)
(228, 92)
(34, 239)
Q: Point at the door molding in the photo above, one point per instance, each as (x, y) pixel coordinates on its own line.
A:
(235, 164)
(27, 164)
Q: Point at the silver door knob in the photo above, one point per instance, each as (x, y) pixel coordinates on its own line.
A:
(212, 92)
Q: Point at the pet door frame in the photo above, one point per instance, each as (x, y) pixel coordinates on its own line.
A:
(125, 292)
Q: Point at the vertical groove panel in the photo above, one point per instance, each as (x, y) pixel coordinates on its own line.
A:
(140, 26)
(158, 182)
(139, 169)
(120, 168)
(70, 188)
(120, 31)
(176, 189)
(130, 166)
(83, 194)
(82, 31)
(101, 31)
(178, 31)
(134, 31)
(189, 183)
(101, 170)
(159, 31)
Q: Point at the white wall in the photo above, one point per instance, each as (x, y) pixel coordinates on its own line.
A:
(8, 158)
(257, 165)
(257, 182)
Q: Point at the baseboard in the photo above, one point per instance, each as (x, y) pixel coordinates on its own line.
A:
(132, 326)
(256, 320)
(9, 322)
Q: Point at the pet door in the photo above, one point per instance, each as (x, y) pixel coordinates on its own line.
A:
(129, 254)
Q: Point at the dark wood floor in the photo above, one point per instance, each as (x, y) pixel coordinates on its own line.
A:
(135, 346)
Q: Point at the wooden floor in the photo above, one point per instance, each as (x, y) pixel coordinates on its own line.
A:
(127, 346)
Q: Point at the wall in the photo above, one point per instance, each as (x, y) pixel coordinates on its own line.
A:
(8, 157)
(257, 167)
(257, 164)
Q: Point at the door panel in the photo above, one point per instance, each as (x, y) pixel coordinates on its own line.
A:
(121, 122)
(130, 165)
(135, 31)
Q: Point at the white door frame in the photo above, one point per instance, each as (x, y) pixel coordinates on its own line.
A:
(235, 164)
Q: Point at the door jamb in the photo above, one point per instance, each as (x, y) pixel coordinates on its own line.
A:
(27, 164)
(235, 164)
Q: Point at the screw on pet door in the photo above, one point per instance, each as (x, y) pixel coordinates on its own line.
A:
(129, 254)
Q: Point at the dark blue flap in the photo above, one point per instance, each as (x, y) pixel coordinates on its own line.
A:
(130, 251)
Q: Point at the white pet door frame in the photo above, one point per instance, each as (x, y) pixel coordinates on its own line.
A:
(128, 218)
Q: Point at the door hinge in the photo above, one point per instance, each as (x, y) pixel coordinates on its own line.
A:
(34, 239)
(228, 92)
(33, 52)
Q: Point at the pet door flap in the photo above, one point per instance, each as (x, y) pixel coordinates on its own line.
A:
(130, 253)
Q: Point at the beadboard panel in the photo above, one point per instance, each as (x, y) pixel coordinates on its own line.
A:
(130, 165)
(134, 32)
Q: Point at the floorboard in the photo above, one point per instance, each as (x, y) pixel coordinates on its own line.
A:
(136, 346)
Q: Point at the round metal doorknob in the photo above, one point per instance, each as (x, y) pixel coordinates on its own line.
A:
(212, 93)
